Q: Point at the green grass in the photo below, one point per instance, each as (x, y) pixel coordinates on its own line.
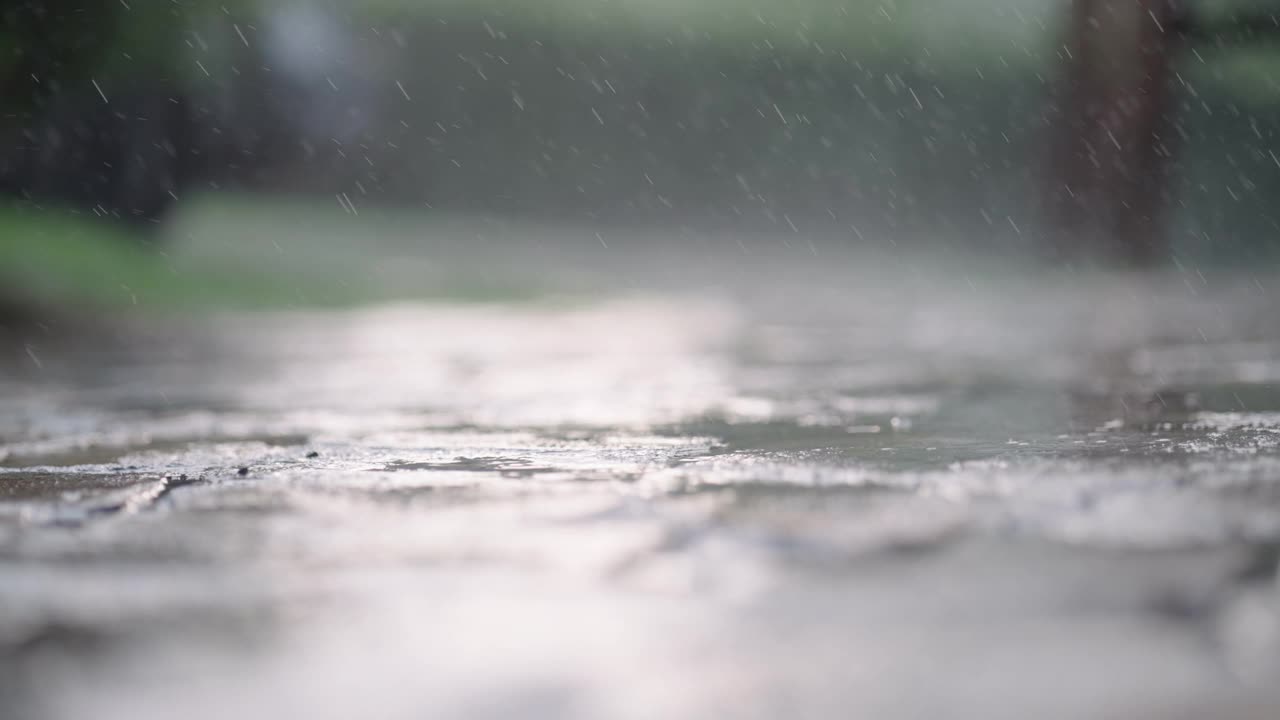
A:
(56, 257)
(222, 253)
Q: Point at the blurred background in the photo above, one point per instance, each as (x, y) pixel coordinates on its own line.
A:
(872, 123)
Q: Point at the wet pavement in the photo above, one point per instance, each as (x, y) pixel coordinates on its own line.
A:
(808, 485)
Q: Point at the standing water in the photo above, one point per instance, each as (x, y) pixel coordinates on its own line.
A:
(730, 477)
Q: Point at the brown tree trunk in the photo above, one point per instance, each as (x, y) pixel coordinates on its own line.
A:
(1140, 229)
(1107, 176)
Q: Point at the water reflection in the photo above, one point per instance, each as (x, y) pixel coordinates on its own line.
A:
(677, 504)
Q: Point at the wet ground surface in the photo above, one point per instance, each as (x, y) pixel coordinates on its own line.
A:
(809, 485)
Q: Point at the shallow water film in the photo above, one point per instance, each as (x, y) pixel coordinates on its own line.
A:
(775, 481)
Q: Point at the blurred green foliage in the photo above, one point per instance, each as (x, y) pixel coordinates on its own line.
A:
(918, 115)
(58, 47)
(894, 27)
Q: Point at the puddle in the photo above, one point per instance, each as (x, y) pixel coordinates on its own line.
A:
(837, 497)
